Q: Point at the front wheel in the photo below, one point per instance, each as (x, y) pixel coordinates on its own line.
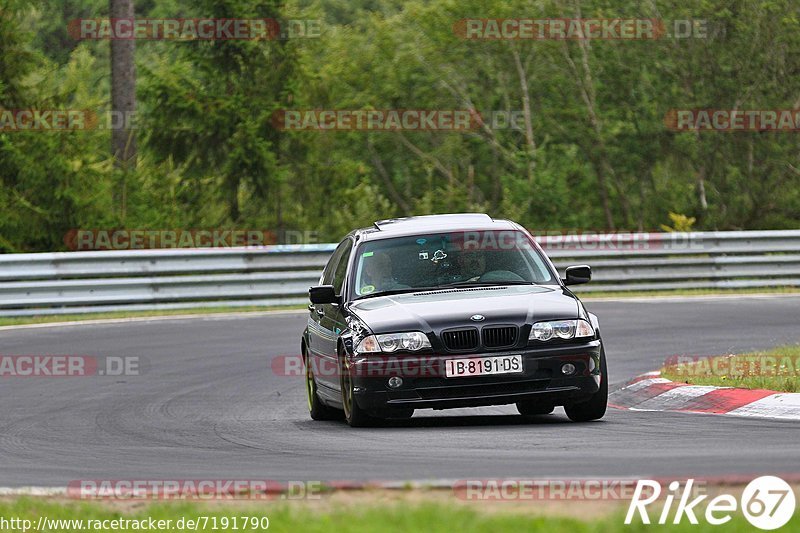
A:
(353, 413)
(595, 407)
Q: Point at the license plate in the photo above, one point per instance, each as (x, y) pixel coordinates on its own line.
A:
(483, 366)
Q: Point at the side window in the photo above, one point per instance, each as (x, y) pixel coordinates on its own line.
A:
(330, 268)
(341, 269)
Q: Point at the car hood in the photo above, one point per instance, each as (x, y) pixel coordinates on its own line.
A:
(437, 310)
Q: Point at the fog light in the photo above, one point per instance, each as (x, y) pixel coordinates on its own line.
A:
(395, 382)
(568, 369)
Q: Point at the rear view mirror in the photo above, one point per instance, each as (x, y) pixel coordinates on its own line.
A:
(575, 275)
(323, 294)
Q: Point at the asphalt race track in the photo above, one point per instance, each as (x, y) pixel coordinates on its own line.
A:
(208, 406)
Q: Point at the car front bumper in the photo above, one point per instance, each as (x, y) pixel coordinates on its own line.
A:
(426, 387)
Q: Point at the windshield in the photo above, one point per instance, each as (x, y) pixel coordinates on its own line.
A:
(447, 259)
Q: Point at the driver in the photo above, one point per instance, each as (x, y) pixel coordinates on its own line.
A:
(472, 264)
(378, 274)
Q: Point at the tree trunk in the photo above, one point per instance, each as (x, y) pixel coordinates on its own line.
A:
(123, 91)
(526, 110)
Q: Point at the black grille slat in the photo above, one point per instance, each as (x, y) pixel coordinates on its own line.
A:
(492, 336)
(499, 337)
(462, 339)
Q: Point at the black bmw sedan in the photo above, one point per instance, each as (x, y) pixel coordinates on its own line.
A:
(443, 311)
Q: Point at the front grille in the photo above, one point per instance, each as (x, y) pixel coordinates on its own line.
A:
(462, 339)
(500, 337)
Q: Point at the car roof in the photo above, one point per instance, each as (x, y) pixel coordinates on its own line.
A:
(405, 226)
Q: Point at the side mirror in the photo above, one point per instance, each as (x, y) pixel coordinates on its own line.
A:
(575, 275)
(323, 294)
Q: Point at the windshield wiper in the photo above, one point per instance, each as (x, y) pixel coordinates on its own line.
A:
(396, 291)
(485, 283)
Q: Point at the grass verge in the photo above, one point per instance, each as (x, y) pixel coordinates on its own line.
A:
(46, 319)
(777, 369)
(686, 292)
(380, 518)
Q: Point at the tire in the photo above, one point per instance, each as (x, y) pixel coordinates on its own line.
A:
(317, 409)
(532, 408)
(595, 407)
(354, 415)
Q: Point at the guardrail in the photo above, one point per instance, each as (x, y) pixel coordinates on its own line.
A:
(82, 282)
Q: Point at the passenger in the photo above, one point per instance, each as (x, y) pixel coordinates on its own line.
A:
(377, 275)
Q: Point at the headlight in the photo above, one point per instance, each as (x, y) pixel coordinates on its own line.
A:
(391, 342)
(561, 329)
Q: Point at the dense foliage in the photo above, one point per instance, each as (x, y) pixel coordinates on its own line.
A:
(595, 152)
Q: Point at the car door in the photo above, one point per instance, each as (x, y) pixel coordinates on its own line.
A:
(317, 334)
(327, 323)
(335, 313)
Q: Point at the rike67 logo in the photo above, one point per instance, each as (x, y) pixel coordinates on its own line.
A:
(767, 502)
